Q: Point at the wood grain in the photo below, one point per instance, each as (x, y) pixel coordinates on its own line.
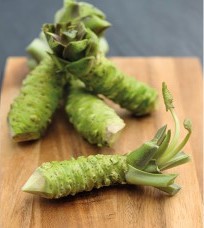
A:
(119, 206)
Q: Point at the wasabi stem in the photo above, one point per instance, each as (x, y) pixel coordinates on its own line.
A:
(174, 148)
(140, 167)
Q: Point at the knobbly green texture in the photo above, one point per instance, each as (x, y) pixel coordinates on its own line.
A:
(105, 78)
(92, 118)
(32, 110)
(82, 174)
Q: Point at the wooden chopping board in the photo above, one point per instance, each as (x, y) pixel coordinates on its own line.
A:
(121, 206)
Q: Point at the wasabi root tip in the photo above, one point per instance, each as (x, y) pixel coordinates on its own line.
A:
(36, 185)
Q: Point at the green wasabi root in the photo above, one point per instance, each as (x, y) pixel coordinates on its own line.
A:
(142, 166)
(105, 78)
(93, 119)
(58, 179)
(32, 110)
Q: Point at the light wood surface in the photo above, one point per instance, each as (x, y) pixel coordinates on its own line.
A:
(118, 206)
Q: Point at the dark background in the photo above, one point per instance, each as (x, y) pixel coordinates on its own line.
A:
(139, 27)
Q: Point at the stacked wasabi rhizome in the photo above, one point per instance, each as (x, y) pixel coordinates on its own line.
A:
(142, 166)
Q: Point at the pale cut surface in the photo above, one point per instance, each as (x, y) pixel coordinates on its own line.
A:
(113, 132)
(36, 183)
(25, 137)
